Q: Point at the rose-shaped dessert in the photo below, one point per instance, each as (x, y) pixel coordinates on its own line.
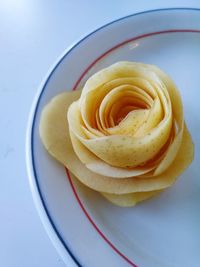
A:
(123, 134)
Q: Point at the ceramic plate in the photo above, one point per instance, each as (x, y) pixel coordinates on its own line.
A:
(163, 231)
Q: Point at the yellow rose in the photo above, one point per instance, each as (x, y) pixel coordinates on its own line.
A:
(125, 136)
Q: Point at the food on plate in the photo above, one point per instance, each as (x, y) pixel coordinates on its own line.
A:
(123, 134)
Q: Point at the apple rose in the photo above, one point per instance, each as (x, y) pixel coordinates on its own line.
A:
(123, 135)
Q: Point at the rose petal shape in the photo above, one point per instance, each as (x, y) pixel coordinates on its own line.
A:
(133, 115)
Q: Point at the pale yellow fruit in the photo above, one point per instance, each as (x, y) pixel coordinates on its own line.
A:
(123, 135)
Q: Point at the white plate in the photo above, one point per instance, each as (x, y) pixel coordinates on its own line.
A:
(163, 231)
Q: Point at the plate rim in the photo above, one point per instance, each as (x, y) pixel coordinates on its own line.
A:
(36, 192)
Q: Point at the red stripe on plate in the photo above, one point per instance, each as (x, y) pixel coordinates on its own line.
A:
(125, 42)
(94, 225)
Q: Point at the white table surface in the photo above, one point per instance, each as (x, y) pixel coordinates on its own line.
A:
(33, 33)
